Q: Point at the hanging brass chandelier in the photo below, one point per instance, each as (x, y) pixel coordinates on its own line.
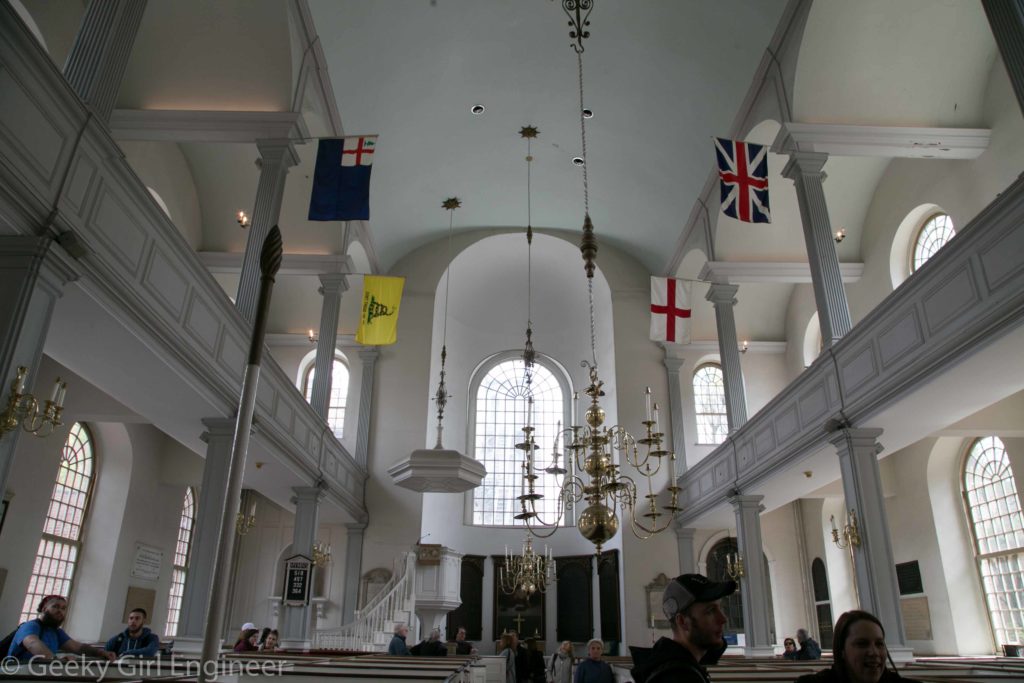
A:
(526, 573)
(594, 450)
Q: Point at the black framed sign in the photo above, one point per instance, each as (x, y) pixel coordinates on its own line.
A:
(298, 570)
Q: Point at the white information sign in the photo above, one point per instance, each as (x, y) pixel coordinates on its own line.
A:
(146, 565)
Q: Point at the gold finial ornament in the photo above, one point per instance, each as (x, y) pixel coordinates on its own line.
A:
(451, 203)
(528, 132)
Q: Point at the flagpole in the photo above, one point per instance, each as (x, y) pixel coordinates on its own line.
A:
(270, 262)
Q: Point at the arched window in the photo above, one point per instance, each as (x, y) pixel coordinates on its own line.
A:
(339, 393)
(993, 510)
(181, 555)
(498, 417)
(932, 236)
(822, 602)
(709, 399)
(54, 569)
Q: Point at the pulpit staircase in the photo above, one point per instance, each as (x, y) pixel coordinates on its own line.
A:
(374, 625)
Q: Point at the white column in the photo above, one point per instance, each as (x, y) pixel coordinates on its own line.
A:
(873, 559)
(804, 169)
(675, 409)
(723, 296)
(96, 63)
(276, 157)
(331, 287)
(219, 434)
(1007, 20)
(754, 585)
(687, 557)
(32, 278)
(353, 570)
(295, 619)
(368, 355)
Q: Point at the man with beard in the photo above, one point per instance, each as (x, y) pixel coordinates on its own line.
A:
(136, 640)
(43, 636)
(691, 603)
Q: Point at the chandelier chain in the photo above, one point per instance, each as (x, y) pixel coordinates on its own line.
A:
(583, 136)
(529, 240)
(448, 277)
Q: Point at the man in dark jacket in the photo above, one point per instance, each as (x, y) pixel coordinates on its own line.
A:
(809, 648)
(691, 603)
(136, 640)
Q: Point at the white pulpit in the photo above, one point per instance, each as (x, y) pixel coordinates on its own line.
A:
(438, 583)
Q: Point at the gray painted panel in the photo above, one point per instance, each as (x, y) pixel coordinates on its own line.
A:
(1003, 260)
(202, 323)
(166, 283)
(903, 336)
(954, 295)
(25, 119)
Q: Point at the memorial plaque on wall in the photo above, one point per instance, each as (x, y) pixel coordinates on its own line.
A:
(519, 611)
(470, 614)
(608, 593)
(575, 621)
(917, 620)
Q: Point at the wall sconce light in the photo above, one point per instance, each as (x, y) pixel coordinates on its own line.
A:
(321, 554)
(23, 408)
(245, 522)
(243, 219)
(850, 533)
(744, 346)
(840, 235)
(312, 336)
(734, 566)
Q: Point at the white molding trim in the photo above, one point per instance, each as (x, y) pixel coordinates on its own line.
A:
(291, 264)
(736, 272)
(165, 125)
(703, 348)
(344, 341)
(882, 141)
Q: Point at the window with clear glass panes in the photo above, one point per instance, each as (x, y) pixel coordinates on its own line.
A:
(709, 401)
(932, 236)
(997, 524)
(500, 404)
(339, 394)
(180, 566)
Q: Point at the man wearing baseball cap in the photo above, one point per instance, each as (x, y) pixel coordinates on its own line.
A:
(691, 603)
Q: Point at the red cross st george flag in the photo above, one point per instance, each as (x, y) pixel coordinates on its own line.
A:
(670, 310)
(743, 172)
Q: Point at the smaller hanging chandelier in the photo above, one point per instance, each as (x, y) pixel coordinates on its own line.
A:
(527, 573)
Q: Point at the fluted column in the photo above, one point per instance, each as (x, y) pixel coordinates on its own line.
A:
(368, 355)
(295, 619)
(96, 63)
(1007, 20)
(331, 287)
(353, 570)
(873, 559)
(32, 278)
(675, 410)
(723, 296)
(804, 169)
(754, 584)
(276, 157)
(219, 435)
(687, 557)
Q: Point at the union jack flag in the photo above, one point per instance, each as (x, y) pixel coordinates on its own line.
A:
(743, 171)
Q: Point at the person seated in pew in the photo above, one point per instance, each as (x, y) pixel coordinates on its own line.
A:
(790, 648)
(270, 642)
(431, 647)
(136, 640)
(463, 646)
(263, 637)
(247, 638)
(692, 605)
(859, 654)
(397, 645)
(43, 636)
(507, 650)
(809, 648)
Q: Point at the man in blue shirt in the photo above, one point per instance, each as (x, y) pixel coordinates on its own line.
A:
(43, 636)
(136, 640)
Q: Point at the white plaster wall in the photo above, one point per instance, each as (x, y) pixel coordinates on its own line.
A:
(162, 167)
(787, 568)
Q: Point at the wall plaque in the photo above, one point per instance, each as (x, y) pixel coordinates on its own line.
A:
(146, 565)
(917, 621)
(297, 572)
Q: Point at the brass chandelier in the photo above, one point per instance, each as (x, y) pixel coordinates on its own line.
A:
(526, 573)
(593, 448)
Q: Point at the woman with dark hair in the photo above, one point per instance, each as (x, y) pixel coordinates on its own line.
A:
(790, 648)
(859, 654)
(247, 638)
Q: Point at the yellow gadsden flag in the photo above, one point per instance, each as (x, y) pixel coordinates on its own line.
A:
(378, 325)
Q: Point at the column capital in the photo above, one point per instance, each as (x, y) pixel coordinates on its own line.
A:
(805, 164)
(849, 440)
(217, 427)
(333, 283)
(278, 150)
(721, 293)
(369, 354)
(684, 533)
(741, 502)
(355, 528)
(673, 364)
(307, 494)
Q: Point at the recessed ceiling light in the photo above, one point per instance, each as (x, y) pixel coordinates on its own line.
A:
(477, 109)
(588, 113)
(577, 161)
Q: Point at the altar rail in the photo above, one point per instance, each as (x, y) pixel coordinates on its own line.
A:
(969, 293)
(60, 172)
